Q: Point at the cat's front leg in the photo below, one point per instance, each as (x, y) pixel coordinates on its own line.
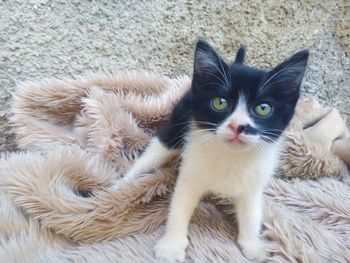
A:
(171, 247)
(249, 214)
(155, 155)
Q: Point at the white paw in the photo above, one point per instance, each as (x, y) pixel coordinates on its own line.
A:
(253, 250)
(171, 250)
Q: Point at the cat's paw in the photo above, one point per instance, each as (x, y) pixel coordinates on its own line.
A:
(171, 250)
(253, 250)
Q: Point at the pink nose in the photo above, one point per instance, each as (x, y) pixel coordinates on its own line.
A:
(233, 127)
(237, 129)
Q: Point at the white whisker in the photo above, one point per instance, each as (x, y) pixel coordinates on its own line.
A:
(274, 75)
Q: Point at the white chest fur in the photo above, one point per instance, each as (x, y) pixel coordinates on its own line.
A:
(215, 167)
(210, 165)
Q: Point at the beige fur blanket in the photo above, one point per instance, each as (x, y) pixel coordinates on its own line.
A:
(56, 204)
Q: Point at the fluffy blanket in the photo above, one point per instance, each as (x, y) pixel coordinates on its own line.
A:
(57, 205)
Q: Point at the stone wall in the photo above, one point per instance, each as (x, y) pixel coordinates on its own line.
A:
(40, 39)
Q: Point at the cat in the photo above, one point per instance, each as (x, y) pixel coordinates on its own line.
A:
(228, 128)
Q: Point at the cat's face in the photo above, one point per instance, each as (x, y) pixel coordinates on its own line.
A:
(241, 105)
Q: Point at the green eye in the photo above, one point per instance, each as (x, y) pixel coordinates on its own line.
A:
(263, 109)
(219, 104)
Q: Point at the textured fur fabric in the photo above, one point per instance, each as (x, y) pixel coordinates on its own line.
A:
(56, 202)
(313, 143)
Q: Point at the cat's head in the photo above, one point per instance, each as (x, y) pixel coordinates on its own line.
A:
(242, 105)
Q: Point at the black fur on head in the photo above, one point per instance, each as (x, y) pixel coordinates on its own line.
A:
(213, 77)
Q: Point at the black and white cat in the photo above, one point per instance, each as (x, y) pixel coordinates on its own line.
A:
(228, 128)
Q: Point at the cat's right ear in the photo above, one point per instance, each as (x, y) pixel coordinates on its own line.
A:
(207, 64)
(240, 55)
(286, 78)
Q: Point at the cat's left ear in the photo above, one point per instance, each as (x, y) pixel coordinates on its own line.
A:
(287, 76)
(208, 66)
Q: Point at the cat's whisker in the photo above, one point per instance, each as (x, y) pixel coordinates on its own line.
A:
(202, 142)
(267, 140)
(264, 146)
(270, 133)
(205, 122)
(222, 81)
(181, 140)
(267, 137)
(222, 71)
(202, 139)
(278, 130)
(276, 74)
(186, 127)
(194, 132)
(194, 122)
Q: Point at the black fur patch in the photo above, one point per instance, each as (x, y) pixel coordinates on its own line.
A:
(213, 77)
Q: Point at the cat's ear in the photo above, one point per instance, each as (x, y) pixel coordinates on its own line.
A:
(240, 55)
(207, 64)
(286, 78)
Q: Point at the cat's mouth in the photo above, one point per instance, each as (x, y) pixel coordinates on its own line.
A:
(236, 139)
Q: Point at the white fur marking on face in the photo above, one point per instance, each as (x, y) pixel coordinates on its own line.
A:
(240, 115)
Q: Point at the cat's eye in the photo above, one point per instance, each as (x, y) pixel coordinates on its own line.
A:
(219, 104)
(263, 109)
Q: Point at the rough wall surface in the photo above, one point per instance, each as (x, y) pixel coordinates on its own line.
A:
(40, 39)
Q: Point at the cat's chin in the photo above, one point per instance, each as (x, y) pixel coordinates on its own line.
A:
(236, 145)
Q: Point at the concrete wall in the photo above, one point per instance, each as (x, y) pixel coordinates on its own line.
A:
(40, 39)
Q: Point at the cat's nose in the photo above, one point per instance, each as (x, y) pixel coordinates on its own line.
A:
(236, 128)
